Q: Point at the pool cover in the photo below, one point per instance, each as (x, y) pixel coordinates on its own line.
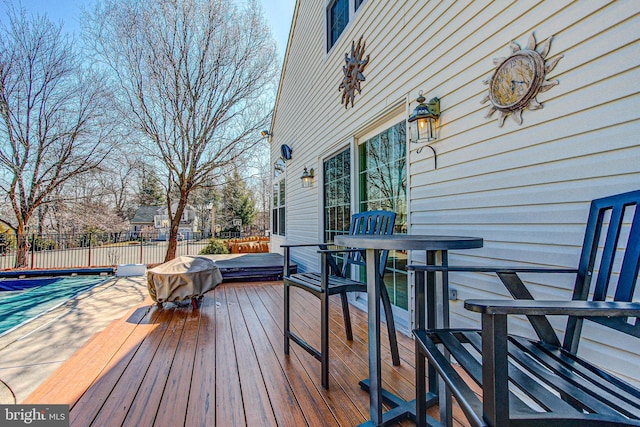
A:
(21, 284)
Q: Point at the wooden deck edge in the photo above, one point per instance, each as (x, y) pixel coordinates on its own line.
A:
(67, 383)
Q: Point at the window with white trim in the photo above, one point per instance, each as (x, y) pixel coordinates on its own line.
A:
(339, 13)
(278, 219)
(337, 195)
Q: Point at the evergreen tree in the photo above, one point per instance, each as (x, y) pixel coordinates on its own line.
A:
(151, 191)
(238, 202)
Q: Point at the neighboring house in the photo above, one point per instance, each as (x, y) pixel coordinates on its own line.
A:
(524, 188)
(143, 219)
(156, 218)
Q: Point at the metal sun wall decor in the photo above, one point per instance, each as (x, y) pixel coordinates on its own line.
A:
(353, 72)
(518, 79)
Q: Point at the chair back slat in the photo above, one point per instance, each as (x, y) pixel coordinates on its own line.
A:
(373, 223)
(610, 219)
(608, 254)
(630, 263)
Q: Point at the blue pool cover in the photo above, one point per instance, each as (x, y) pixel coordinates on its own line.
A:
(24, 299)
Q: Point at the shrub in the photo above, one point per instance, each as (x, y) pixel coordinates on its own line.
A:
(41, 244)
(215, 246)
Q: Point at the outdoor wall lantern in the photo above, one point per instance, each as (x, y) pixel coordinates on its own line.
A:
(424, 122)
(307, 178)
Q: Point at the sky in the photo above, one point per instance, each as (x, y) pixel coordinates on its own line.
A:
(277, 12)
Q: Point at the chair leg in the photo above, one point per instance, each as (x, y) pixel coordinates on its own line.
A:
(421, 389)
(324, 339)
(287, 299)
(391, 326)
(346, 316)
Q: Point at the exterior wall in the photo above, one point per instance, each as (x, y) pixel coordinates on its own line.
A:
(523, 188)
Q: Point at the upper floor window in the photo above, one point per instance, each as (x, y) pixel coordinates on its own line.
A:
(337, 19)
(339, 13)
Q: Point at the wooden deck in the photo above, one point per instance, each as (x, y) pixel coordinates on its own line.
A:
(221, 365)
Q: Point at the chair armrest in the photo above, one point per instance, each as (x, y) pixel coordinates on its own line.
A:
(488, 269)
(567, 308)
(512, 282)
(495, 348)
(322, 248)
(287, 254)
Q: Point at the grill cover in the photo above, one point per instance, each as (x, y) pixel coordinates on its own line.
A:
(182, 278)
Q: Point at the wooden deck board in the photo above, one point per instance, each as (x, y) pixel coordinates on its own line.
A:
(146, 400)
(174, 402)
(222, 365)
(281, 375)
(305, 393)
(344, 404)
(201, 408)
(306, 321)
(254, 389)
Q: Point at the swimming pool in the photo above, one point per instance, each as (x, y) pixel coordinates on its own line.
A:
(23, 299)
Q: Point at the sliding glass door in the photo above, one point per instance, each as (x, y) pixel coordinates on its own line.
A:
(382, 180)
(380, 183)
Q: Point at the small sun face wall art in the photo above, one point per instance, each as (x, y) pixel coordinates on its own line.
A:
(518, 79)
(353, 72)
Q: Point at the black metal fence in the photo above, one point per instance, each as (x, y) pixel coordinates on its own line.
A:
(95, 249)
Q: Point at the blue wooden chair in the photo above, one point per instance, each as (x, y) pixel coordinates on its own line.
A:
(542, 381)
(332, 280)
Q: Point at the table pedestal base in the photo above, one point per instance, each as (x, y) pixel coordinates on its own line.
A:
(400, 408)
(436, 253)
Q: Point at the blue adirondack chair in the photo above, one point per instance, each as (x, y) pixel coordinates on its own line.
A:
(543, 381)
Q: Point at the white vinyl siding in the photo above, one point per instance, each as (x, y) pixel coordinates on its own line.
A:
(524, 189)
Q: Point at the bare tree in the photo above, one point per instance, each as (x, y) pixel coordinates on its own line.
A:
(196, 77)
(89, 203)
(54, 121)
(119, 182)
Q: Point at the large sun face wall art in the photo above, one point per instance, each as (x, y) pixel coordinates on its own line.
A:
(518, 79)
